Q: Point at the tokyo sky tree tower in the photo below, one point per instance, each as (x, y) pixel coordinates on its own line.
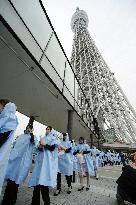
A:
(106, 99)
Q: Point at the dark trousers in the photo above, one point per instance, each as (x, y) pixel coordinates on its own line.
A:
(125, 196)
(68, 179)
(105, 163)
(73, 177)
(3, 137)
(45, 195)
(10, 195)
(111, 163)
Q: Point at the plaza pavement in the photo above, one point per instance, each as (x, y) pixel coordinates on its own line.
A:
(102, 191)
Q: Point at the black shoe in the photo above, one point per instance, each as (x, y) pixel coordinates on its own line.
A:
(81, 189)
(57, 192)
(87, 188)
(69, 192)
(97, 178)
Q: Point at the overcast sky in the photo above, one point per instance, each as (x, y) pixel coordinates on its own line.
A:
(112, 25)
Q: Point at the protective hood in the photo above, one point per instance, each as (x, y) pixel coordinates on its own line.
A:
(9, 108)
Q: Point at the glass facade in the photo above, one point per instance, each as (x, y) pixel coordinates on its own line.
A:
(34, 18)
(56, 56)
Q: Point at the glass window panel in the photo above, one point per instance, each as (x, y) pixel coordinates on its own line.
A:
(81, 103)
(56, 56)
(76, 90)
(16, 24)
(76, 106)
(69, 97)
(80, 97)
(34, 17)
(51, 72)
(69, 78)
(79, 110)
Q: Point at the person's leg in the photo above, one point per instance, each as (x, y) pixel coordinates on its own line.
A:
(36, 195)
(68, 179)
(95, 169)
(59, 181)
(88, 181)
(58, 184)
(45, 195)
(7, 193)
(96, 174)
(81, 182)
(10, 195)
(73, 178)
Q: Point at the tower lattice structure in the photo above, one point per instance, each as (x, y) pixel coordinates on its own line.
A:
(107, 101)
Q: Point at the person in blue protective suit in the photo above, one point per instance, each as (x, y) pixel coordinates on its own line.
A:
(75, 162)
(101, 159)
(65, 164)
(19, 165)
(44, 174)
(85, 162)
(8, 124)
(95, 156)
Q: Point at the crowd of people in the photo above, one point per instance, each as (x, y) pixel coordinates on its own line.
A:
(113, 158)
(54, 157)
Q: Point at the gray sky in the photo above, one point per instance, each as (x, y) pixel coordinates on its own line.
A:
(112, 25)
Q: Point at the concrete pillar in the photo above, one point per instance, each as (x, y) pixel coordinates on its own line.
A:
(70, 123)
(91, 138)
(31, 120)
(98, 141)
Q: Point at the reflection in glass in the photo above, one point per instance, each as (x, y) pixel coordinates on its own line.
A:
(56, 56)
(51, 72)
(68, 95)
(35, 19)
(69, 78)
(76, 90)
(19, 28)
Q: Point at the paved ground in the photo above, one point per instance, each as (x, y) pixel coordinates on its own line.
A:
(102, 191)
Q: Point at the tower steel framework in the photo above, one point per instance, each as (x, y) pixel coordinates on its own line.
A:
(107, 101)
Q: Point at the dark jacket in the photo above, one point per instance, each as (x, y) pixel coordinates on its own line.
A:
(127, 181)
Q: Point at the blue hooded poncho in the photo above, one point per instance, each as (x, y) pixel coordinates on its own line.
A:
(46, 165)
(65, 161)
(8, 122)
(20, 159)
